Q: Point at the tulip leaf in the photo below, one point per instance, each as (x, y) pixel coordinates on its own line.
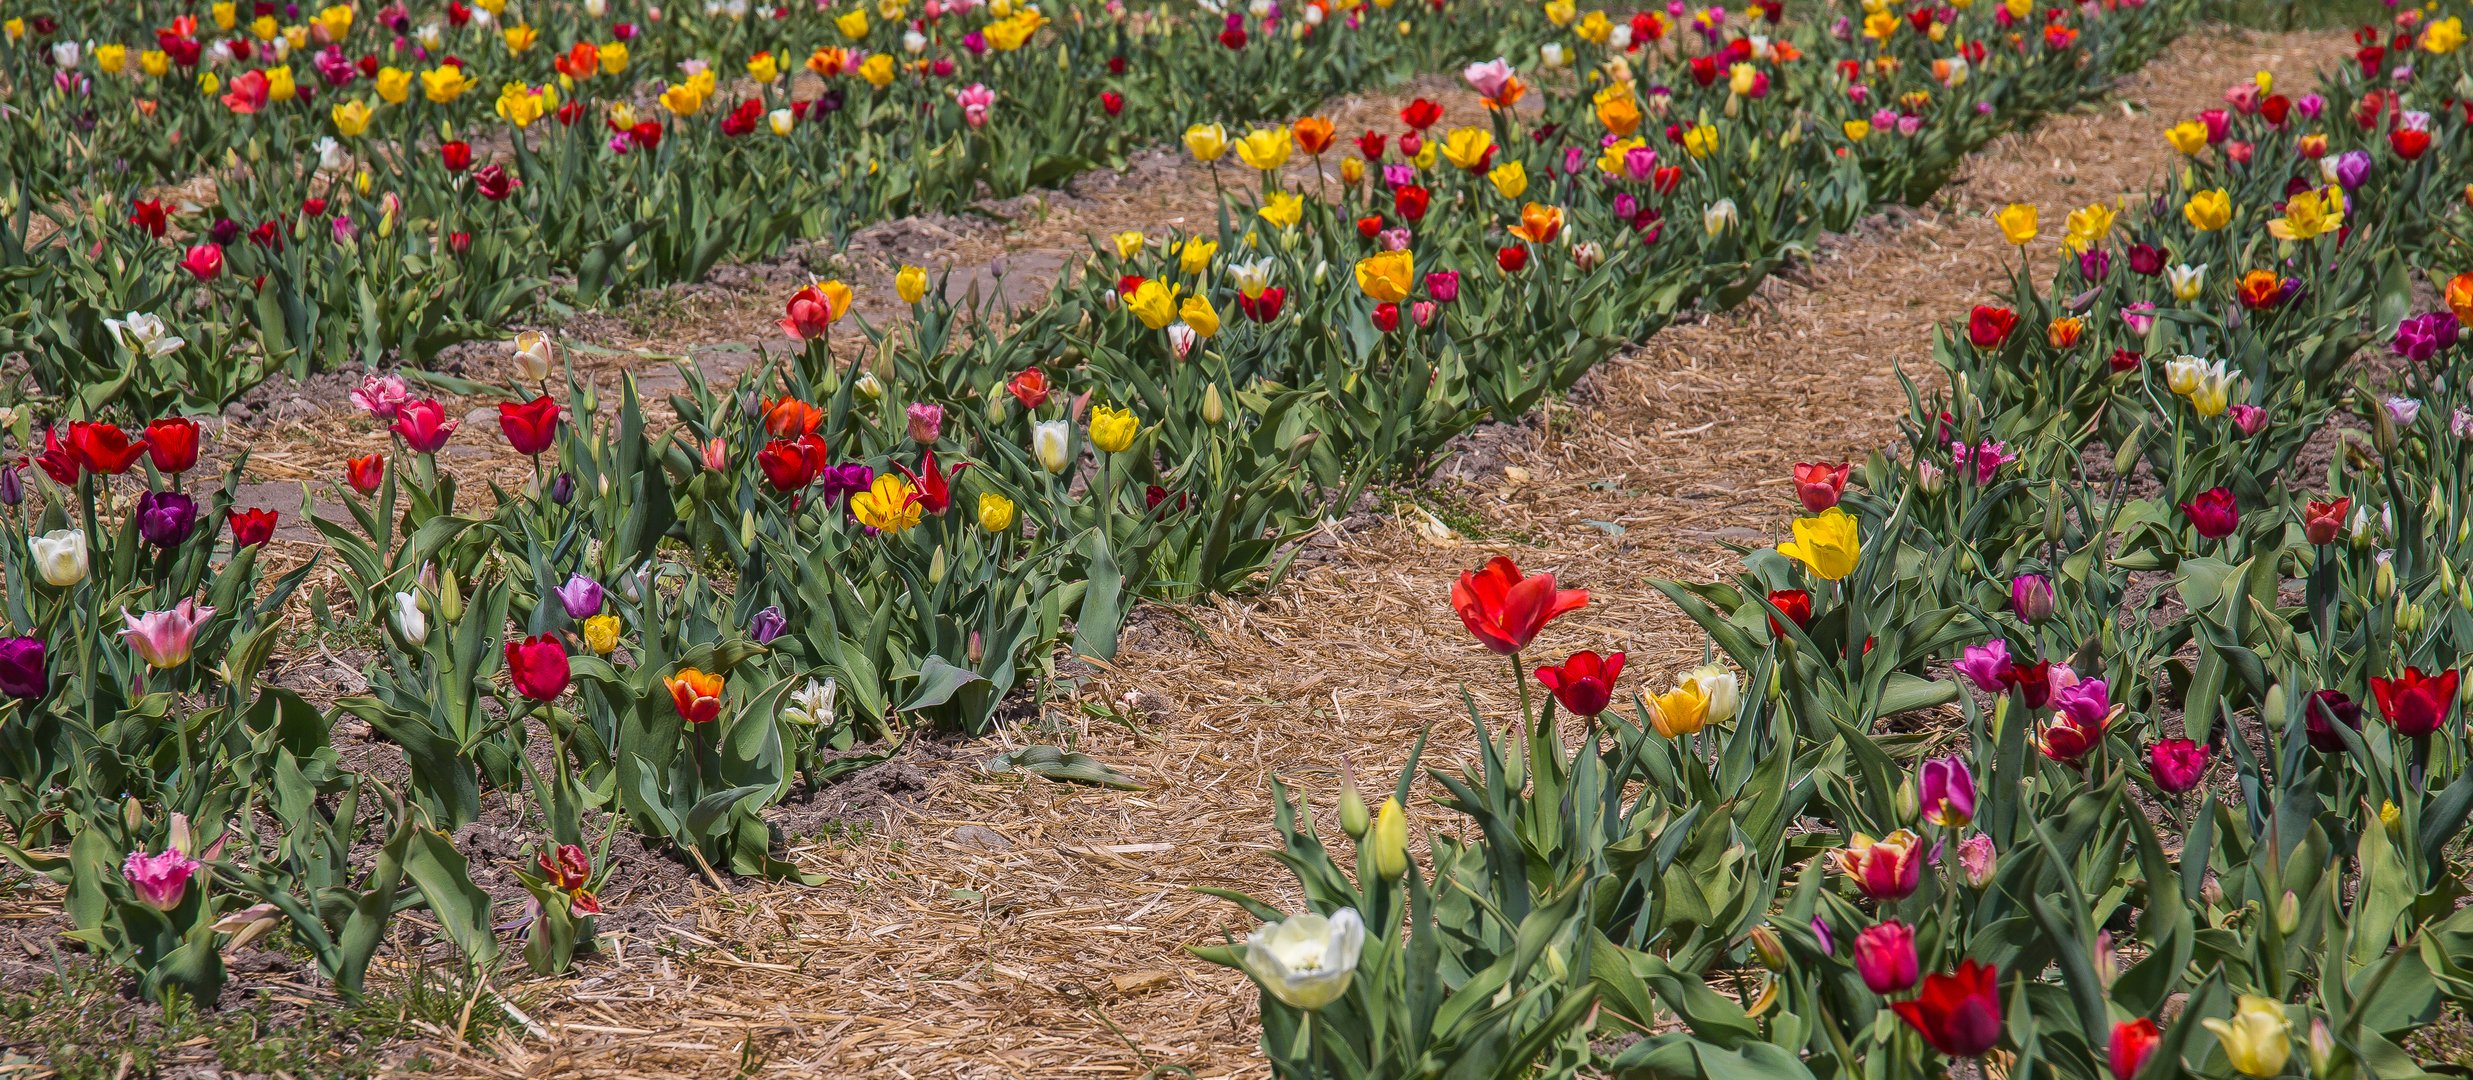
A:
(445, 881)
(938, 680)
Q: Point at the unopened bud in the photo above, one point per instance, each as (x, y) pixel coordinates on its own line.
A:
(1212, 412)
(2288, 913)
(747, 528)
(1353, 817)
(450, 598)
(2383, 579)
(1389, 841)
(1767, 947)
(2052, 514)
(1906, 801)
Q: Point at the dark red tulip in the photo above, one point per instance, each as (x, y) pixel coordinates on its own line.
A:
(538, 667)
(495, 183)
(532, 426)
(1958, 1013)
(251, 526)
(148, 214)
(1512, 258)
(2321, 712)
(2213, 513)
(1796, 603)
(456, 155)
(2415, 704)
(1111, 102)
(1584, 683)
(2177, 764)
(1989, 326)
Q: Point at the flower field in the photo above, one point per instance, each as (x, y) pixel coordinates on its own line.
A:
(2003, 538)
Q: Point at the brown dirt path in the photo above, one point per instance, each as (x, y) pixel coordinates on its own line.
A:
(999, 926)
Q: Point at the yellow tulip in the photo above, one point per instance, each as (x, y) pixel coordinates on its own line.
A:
(337, 19)
(519, 104)
(394, 85)
(2310, 214)
(1466, 148)
(1680, 711)
(1283, 208)
(1856, 130)
(1700, 141)
(520, 38)
(682, 100)
(1560, 12)
(889, 505)
(2209, 210)
(763, 67)
(1128, 243)
(877, 70)
(154, 62)
(2088, 225)
(1153, 303)
(613, 58)
(1594, 28)
(1197, 312)
(225, 13)
(443, 84)
(995, 512)
(2188, 136)
(2444, 36)
(264, 27)
(1510, 180)
(601, 634)
(1194, 255)
(1264, 148)
(852, 24)
(351, 118)
(1388, 843)
(910, 283)
(279, 85)
(1742, 79)
(1617, 110)
(111, 59)
(2017, 222)
(2258, 1040)
(1206, 142)
(1387, 275)
(1829, 543)
(1113, 429)
(1352, 170)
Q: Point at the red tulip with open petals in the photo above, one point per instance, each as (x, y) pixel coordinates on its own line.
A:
(1506, 609)
(1584, 683)
(1958, 1013)
(1820, 484)
(2414, 703)
(532, 426)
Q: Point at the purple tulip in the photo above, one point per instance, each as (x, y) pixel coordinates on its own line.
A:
(2352, 167)
(22, 675)
(581, 596)
(839, 481)
(2094, 264)
(2085, 701)
(12, 487)
(2030, 595)
(1948, 792)
(1828, 941)
(2146, 260)
(767, 625)
(1986, 665)
(2424, 336)
(165, 518)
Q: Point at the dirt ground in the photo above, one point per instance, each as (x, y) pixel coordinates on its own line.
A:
(995, 925)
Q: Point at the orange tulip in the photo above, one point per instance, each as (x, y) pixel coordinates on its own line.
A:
(2460, 297)
(1539, 223)
(695, 694)
(1313, 134)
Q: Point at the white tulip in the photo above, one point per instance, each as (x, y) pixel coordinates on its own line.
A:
(59, 556)
(2187, 281)
(144, 334)
(782, 120)
(1718, 217)
(812, 704)
(1050, 441)
(533, 356)
(331, 157)
(410, 621)
(1252, 277)
(914, 42)
(65, 54)
(1719, 684)
(1306, 960)
(1551, 54)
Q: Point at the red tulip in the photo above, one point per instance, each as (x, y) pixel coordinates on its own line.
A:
(1370, 226)
(1371, 146)
(2133, 1042)
(103, 448)
(423, 425)
(1111, 102)
(934, 484)
(172, 444)
(251, 527)
(2409, 143)
(57, 460)
(538, 667)
(1584, 683)
(1505, 609)
(2124, 361)
(2213, 513)
(786, 465)
(1265, 307)
(148, 214)
(1410, 202)
(1512, 258)
(2321, 522)
(788, 418)
(1795, 603)
(1028, 386)
(1421, 114)
(1988, 327)
(1885, 957)
(1960, 1013)
(495, 183)
(531, 426)
(457, 155)
(2415, 704)
(365, 473)
(204, 262)
(2177, 764)
(1820, 485)
(1386, 316)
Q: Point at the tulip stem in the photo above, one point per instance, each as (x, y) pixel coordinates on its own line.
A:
(1518, 679)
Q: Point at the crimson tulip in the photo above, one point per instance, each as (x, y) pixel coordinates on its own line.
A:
(2177, 764)
(148, 214)
(495, 183)
(1111, 102)
(1584, 683)
(1386, 316)
(251, 527)
(934, 484)
(538, 667)
(785, 465)
(1371, 146)
(1796, 604)
(530, 426)
(2213, 513)
(1820, 484)
(1958, 1013)
(365, 473)
(58, 461)
(1421, 114)
(1885, 957)
(2409, 143)
(2321, 712)
(204, 262)
(456, 155)
(172, 445)
(1263, 308)
(2414, 703)
(1512, 258)
(102, 448)
(1505, 609)
(1410, 202)
(2133, 1042)
(423, 425)
(1989, 326)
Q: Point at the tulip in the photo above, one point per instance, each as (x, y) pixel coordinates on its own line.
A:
(102, 448)
(2414, 703)
(1028, 386)
(537, 666)
(2177, 764)
(1386, 276)
(696, 695)
(933, 482)
(1389, 839)
(365, 473)
(570, 872)
(1506, 610)
(2321, 712)
(1584, 683)
(2030, 596)
(2208, 211)
(163, 638)
(1829, 544)
(531, 426)
(580, 596)
(889, 504)
(1306, 960)
(2017, 223)
(1987, 327)
(2258, 1040)
(2069, 736)
(172, 445)
(2322, 521)
(2213, 513)
(2186, 281)
(1718, 687)
(59, 556)
(1112, 429)
(1819, 484)
(995, 512)
(1885, 957)
(1987, 666)
(1958, 1013)
(1051, 442)
(161, 881)
(1539, 223)
(1795, 604)
(925, 421)
(250, 527)
(1890, 868)
(1207, 142)
(2133, 1042)
(22, 672)
(1947, 792)
(814, 309)
(410, 621)
(165, 518)
(601, 634)
(423, 425)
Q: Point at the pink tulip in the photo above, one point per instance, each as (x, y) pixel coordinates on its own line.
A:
(1885, 957)
(976, 100)
(161, 881)
(163, 638)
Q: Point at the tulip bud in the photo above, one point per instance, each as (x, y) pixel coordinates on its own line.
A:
(2410, 617)
(1297, 449)
(1904, 802)
(1352, 807)
(2383, 432)
(562, 488)
(450, 601)
(2271, 707)
(2107, 959)
(2288, 913)
(1212, 412)
(1390, 839)
(2321, 1047)
(2052, 513)
(2030, 596)
(2126, 458)
(2383, 580)
(1770, 950)
(936, 566)
(410, 623)
(12, 488)
(747, 528)
(975, 649)
(131, 814)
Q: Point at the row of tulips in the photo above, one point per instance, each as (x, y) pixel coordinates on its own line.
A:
(2194, 778)
(908, 534)
(389, 181)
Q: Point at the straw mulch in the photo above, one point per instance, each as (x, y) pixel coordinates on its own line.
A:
(994, 925)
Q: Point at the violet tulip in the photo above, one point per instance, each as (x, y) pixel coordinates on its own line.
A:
(165, 518)
(1948, 792)
(581, 596)
(2030, 596)
(22, 673)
